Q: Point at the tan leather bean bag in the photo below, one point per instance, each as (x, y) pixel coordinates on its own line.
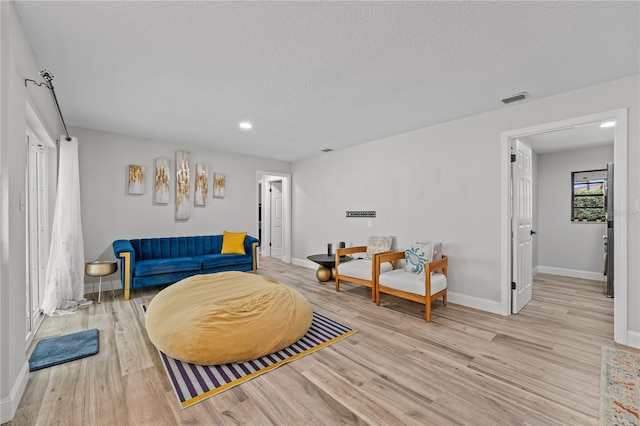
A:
(226, 317)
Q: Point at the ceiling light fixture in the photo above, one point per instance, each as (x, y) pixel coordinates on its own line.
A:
(608, 124)
(326, 150)
(245, 125)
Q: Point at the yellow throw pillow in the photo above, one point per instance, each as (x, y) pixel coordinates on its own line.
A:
(233, 242)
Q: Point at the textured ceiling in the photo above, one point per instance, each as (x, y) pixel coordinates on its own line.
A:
(314, 75)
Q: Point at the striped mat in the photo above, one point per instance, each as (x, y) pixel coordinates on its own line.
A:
(194, 383)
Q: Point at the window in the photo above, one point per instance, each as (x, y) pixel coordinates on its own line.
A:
(587, 200)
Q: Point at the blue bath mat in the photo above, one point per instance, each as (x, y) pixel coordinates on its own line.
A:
(61, 349)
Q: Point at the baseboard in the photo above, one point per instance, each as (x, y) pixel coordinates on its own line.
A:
(9, 405)
(633, 339)
(474, 302)
(304, 263)
(574, 273)
(106, 285)
(535, 271)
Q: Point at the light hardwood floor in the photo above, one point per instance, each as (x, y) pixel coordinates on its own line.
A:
(540, 367)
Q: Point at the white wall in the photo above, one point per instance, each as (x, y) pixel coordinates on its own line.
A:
(443, 183)
(110, 213)
(574, 247)
(17, 62)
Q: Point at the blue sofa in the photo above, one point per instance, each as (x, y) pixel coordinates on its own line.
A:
(156, 261)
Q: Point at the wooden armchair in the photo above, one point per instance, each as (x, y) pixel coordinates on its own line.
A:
(411, 286)
(358, 271)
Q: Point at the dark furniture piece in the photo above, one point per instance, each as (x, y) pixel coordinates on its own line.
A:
(326, 271)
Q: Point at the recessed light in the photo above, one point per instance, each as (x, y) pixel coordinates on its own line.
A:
(608, 124)
(245, 125)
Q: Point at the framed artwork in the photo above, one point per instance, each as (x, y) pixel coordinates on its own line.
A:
(136, 179)
(219, 183)
(202, 184)
(163, 180)
(182, 185)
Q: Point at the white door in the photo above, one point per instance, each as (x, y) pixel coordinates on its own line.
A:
(277, 241)
(37, 233)
(521, 225)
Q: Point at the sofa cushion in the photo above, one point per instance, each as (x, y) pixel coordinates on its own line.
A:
(361, 269)
(164, 266)
(233, 242)
(399, 279)
(215, 260)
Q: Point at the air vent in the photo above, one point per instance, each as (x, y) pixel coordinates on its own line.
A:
(516, 98)
(361, 213)
(326, 150)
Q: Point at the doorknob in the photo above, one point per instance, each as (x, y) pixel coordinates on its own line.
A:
(533, 232)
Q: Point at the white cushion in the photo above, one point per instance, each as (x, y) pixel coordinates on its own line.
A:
(417, 256)
(378, 245)
(399, 279)
(361, 269)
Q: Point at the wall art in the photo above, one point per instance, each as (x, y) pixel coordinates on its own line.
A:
(182, 185)
(163, 180)
(136, 179)
(202, 184)
(219, 183)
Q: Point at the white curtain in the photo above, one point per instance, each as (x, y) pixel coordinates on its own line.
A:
(64, 287)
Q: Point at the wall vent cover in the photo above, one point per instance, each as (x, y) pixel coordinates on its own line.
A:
(361, 213)
(516, 98)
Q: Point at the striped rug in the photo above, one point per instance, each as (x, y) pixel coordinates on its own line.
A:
(194, 383)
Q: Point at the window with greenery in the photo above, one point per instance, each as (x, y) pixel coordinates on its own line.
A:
(587, 200)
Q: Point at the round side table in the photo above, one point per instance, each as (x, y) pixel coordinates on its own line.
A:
(326, 271)
(101, 268)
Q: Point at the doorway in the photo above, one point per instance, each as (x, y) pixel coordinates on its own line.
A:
(274, 214)
(620, 268)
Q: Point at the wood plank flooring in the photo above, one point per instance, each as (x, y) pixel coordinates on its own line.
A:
(467, 367)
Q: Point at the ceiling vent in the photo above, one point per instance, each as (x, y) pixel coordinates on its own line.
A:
(326, 150)
(516, 98)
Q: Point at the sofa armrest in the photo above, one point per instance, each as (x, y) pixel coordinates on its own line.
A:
(251, 245)
(123, 250)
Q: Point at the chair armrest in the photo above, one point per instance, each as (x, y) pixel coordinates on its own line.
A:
(380, 258)
(123, 250)
(437, 265)
(350, 250)
(389, 256)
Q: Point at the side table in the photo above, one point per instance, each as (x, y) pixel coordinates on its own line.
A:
(326, 271)
(101, 268)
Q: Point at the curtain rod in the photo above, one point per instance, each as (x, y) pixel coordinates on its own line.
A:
(48, 78)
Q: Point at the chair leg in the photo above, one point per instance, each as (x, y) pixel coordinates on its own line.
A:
(444, 299)
(427, 308)
(337, 284)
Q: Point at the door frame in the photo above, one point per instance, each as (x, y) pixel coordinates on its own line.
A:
(620, 148)
(264, 177)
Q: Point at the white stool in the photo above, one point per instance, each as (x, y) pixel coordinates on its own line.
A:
(101, 268)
